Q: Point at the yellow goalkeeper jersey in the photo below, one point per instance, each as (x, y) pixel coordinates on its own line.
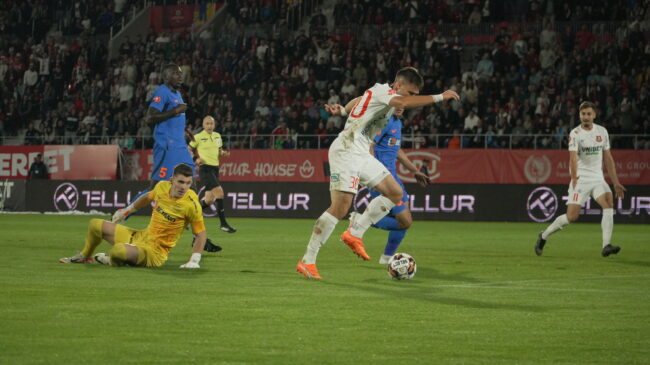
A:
(208, 145)
(170, 216)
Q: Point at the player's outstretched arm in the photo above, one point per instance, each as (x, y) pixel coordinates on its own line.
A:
(338, 109)
(121, 214)
(421, 178)
(199, 244)
(416, 101)
(611, 169)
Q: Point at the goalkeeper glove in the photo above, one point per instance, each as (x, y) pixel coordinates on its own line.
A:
(193, 263)
(123, 213)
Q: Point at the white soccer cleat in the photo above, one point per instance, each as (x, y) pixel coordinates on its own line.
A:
(384, 259)
(102, 258)
(76, 259)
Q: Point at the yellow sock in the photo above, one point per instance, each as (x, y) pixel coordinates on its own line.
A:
(118, 254)
(93, 237)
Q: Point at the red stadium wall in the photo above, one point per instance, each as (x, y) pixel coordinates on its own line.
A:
(66, 162)
(470, 166)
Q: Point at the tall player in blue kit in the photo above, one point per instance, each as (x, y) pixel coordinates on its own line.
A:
(386, 149)
(167, 112)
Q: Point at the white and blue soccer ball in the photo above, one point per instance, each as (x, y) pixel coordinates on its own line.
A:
(401, 266)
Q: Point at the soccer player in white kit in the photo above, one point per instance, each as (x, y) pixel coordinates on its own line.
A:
(588, 145)
(351, 163)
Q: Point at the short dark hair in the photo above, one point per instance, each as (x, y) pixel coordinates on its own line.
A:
(183, 169)
(411, 75)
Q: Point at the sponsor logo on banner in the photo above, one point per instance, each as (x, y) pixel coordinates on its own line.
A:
(66, 197)
(306, 170)
(420, 158)
(542, 204)
(537, 169)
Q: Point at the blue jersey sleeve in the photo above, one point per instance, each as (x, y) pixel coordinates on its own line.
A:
(159, 99)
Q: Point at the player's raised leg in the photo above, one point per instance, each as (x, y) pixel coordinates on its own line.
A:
(572, 214)
(391, 194)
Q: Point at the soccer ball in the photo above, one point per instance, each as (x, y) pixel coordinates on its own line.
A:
(401, 266)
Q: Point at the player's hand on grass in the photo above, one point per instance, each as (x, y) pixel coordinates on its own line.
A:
(620, 191)
(422, 179)
(190, 265)
(193, 263)
(180, 109)
(450, 94)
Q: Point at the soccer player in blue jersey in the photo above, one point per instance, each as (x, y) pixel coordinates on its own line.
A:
(167, 112)
(386, 149)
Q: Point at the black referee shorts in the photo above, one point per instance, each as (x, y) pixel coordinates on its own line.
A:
(209, 176)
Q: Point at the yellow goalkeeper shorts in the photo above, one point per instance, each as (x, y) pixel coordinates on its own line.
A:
(148, 254)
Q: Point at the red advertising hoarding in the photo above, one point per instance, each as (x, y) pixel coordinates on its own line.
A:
(63, 162)
(470, 166)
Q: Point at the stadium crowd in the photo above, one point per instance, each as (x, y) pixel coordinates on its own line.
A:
(60, 89)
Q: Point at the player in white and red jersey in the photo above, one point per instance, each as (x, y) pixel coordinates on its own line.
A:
(588, 146)
(351, 163)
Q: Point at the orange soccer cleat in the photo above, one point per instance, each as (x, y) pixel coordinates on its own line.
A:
(355, 244)
(309, 270)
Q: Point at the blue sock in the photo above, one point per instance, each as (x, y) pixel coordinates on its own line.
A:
(387, 223)
(394, 239)
(145, 191)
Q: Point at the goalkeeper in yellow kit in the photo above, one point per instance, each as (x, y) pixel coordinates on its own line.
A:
(175, 206)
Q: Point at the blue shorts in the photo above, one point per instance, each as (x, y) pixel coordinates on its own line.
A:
(165, 159)
(398, 208)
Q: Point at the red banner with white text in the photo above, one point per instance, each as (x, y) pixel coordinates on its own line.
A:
(63, 162)
(469, 166)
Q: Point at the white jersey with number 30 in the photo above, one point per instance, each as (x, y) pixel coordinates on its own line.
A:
(367, 118)
(590, 146)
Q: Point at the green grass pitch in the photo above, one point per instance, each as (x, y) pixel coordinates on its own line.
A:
(480, 295)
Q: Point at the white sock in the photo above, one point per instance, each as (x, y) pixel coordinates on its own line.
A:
(377, 209)
(607, 225)
(557, 225)
(322, 230)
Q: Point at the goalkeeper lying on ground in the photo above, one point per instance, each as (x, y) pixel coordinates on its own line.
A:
(175, 205)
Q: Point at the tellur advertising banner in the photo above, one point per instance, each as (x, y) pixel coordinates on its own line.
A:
(442, 202)
(96, 162)
(469, 166)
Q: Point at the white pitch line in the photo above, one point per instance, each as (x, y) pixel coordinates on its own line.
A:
(496, 283)
(538, 288)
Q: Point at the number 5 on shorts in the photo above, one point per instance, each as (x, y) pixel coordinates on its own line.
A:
(163, 172)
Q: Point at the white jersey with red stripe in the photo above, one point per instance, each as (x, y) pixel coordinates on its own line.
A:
(589, 144)
(368, 117)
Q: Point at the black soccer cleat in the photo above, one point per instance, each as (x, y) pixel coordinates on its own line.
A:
(228, 229)
(209, 246)
(539, 246)
(609, 250)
